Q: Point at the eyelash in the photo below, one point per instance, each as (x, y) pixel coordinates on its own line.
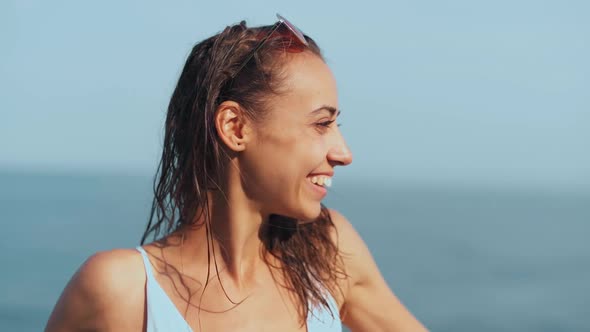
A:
(327, 123)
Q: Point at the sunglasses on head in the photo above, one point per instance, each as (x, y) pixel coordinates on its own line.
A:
(284, 30)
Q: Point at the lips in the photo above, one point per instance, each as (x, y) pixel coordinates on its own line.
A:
(320, 191)
(321, 180)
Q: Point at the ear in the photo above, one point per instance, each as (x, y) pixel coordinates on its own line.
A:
(232, 125)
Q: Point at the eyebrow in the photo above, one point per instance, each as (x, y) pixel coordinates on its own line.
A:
(328, 108)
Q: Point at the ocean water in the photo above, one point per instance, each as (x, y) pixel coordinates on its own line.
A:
(459, 259)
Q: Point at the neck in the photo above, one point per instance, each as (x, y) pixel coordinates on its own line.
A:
(229, 234)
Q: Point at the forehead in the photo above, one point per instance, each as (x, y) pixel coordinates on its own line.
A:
(309, 84)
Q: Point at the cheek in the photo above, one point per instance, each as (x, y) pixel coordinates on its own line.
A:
(270, 159)
(278, 163)
(304, 152)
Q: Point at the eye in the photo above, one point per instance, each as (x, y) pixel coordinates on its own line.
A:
(326, 123)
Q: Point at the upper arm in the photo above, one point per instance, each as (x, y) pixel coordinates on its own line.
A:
(106, 293)
(368, 304)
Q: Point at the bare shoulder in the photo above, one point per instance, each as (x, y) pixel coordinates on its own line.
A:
(106, 293)
(345, 232)
(354, 251)
(368, 304)
(113, 269)
(111, 273)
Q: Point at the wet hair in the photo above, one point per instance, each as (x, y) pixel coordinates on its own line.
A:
(193, 157)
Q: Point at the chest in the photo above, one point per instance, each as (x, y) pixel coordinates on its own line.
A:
(214, 307)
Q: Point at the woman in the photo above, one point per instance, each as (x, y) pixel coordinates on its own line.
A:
(244, 243)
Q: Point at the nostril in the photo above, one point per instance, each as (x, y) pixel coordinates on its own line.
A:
(346, 157)
(340, 162)
(342, 157)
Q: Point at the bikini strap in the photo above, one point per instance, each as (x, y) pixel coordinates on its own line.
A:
(146, 263)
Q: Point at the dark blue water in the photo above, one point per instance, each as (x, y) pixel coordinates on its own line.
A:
(461, 260)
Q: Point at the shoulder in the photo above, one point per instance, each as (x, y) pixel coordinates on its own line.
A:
(368, 303)
(344, 231)
(107, 289)
(108, 274)
(106, 264)
(355, 253)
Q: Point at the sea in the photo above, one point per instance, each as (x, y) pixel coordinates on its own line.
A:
(460, 258)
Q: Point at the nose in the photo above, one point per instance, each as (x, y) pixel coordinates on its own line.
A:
(340, 154)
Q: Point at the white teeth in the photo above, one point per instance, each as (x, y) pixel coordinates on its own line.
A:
(322, 181)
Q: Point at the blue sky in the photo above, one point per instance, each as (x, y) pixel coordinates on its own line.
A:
(469, 92)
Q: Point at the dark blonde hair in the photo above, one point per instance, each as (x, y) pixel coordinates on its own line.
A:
(193, 156)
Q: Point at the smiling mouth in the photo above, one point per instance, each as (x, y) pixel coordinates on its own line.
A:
(321, 181)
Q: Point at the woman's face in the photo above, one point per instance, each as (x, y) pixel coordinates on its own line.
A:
(297, 143)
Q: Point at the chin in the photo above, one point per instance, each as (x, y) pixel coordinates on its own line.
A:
(309, 212)
(303, 210)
